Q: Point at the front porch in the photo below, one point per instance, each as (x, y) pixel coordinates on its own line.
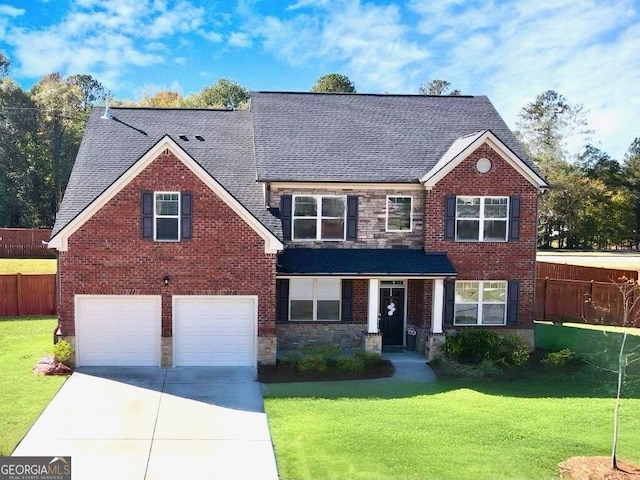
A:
(383, 293)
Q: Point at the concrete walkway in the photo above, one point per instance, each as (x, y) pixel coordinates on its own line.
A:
(157, 424)
(410, 365)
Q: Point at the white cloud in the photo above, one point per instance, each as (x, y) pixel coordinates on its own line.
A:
(10, 11)
(240, 40)
(105, 38)
(369, 40)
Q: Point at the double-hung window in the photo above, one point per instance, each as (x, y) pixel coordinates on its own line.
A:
(319, 217)
(314, 299)
(480, 303)
(483, 219)
(399, 213)
(167, 216)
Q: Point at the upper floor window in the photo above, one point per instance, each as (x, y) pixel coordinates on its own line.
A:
(319, 217)
(166, 216)
(480, 303)
(399, 213)
(482, 219)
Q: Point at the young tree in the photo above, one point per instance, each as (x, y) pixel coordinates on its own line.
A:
(631, 176)
(334, 83)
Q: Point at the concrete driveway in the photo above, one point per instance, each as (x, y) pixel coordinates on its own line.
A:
(156, 424)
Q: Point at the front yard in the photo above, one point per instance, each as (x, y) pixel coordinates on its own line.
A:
(483, 429)
(23, 395)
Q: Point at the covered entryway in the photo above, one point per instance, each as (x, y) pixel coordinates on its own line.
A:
(212, 330)
(118, 330)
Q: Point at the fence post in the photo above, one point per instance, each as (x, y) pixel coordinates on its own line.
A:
(544, 299)
(18, 293)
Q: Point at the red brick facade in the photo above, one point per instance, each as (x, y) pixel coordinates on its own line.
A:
(107, 255)
(512, 260)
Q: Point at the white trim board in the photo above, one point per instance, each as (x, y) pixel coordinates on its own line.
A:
(60, 240)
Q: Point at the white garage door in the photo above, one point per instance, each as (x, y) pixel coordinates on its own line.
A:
(118, 330)
(214, 330)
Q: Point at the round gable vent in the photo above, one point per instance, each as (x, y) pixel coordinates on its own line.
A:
(483, 165)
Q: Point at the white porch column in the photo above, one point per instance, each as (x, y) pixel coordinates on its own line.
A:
(374, 305)
(437, 307)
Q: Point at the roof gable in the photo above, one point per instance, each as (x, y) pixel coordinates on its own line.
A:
(59, 240)
(464, 146)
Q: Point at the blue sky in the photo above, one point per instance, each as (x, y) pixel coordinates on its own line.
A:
(510, 50)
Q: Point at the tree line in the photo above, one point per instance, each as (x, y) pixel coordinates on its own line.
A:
(593, 202)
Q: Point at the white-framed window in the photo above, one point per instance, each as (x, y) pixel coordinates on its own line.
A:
(480, 303)
(399, 213)
(314, 299)
(319, 217)
(166, 216)
(482, 219)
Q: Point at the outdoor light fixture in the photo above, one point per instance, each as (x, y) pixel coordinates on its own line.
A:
(166, 280)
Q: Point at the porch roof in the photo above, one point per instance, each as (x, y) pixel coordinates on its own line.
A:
(364, 262)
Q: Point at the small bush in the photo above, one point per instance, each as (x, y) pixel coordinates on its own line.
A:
(370, 359)
(560, 358)
(328, 351)
(355, 364)
(472, 346)
(485, 369)
(62, 351)
(313, 363)
(291, 359)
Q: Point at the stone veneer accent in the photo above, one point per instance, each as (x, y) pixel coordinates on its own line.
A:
(294, 335)
(434, 346)
(372, 343)
(372, 207)
(267, 350)
(166, 352)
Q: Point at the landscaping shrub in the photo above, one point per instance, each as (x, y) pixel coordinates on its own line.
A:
(313, 362)
(472, 346)
(62, 351)
(450, 367)
(322, 358)
(559, 359)
(370, 359)
(291, 359)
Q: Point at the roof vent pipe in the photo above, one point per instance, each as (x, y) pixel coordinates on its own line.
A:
(107, 114)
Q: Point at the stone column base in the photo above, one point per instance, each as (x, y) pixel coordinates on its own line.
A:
(372, 342)
(434, 347)
(166, 352)
(267, 349)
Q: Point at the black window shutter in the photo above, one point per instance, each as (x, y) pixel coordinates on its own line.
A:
(185, 215)
(147, 214)
(352, 217)
(450, 217)
(347, 300)
(514, 218)
(449, 301)
(285, 213)
(513, 297)
(282, 300)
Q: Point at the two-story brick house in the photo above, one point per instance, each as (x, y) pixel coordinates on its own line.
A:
(205, 237)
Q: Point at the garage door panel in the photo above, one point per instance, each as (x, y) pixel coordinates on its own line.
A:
(211, 330)
(118, 330)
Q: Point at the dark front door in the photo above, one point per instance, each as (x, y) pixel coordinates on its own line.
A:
(392, 316)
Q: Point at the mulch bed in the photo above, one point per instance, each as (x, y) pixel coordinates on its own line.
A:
(597, 468)
(283, 374)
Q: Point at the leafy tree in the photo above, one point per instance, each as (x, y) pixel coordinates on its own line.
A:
(631, 180)
(334, 83)
(92, 91)
(437, 87)
(222, 94)
(163, 98)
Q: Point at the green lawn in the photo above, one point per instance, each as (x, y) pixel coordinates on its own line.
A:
(23, 395)
(446, 430)
(27, 265)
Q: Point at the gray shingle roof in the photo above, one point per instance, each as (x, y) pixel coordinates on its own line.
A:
(364, 138)
(363, 261)
(110, 147)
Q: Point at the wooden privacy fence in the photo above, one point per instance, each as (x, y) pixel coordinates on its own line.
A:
(23, 295)
(24, 243)
(578, 272)
(588, 301)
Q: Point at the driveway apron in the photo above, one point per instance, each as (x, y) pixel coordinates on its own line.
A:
(143, 423)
